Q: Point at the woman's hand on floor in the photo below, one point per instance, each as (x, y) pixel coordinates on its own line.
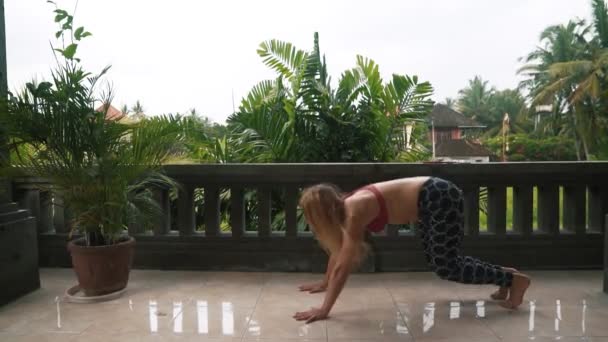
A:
(314, 287)
(311, 315)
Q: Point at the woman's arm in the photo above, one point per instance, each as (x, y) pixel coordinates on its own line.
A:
(331, 263)
(337, 278)
(340, 272)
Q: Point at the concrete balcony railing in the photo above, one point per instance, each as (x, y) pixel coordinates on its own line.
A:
(539, 215)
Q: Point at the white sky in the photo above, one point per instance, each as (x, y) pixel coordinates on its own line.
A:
(180, 54)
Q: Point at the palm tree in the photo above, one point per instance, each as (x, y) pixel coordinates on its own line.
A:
(124, 109)
(450, 103)
(475, 100)
(587, 80)
(580, 81)
(560, 44)
(138, 110)
(512, 102)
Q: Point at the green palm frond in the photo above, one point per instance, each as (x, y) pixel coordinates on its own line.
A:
(156, 139)
(547, 93)
(571, 68)
(282, 57)
(370, 72)
(270, 132)
(600, 21)
(409, 98)
(259, 95)
(350, 87)
(315, 90)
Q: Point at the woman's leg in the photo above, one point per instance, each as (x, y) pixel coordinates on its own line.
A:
(441, 226)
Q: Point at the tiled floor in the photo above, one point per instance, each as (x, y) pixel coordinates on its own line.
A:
(213, 306)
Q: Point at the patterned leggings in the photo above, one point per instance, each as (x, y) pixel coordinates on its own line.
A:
(440, 224)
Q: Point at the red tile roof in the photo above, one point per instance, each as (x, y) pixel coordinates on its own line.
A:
(445, 117)
(112, 113)
(460, 148)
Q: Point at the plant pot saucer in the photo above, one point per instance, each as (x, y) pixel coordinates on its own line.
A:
(75, 295)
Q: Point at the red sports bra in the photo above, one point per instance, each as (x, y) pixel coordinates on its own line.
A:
(380, 221)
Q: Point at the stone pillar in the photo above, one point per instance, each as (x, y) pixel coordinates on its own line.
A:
(18, 233)
(606, 255)
(3, 89)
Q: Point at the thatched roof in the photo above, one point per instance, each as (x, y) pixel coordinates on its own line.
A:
(443, 116)
(460, 148)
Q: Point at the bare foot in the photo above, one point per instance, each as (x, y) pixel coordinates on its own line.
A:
(519, 285)
(503, 292)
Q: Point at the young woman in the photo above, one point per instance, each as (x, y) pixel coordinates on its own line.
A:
(340, 221)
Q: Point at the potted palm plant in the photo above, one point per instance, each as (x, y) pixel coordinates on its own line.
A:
(103, 170)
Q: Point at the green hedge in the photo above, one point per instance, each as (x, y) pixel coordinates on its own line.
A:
(525, 148)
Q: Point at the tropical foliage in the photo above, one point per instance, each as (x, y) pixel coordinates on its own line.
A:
(301, 117)
(104, 171)
(522, 147)
(567, 73)
(488, 106)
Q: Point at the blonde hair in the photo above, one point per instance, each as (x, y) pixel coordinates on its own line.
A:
(324, 209)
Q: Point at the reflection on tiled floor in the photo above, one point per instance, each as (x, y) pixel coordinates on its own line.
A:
(216, 306)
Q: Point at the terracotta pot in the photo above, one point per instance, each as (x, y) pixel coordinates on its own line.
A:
(102, 269)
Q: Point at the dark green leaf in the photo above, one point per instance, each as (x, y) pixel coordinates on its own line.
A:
(31, 88)
(44, 87)
(78, 33)
(70, 51)
(60, 17)
(58, 34)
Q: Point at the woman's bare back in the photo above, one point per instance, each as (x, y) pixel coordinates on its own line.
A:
(400, 195)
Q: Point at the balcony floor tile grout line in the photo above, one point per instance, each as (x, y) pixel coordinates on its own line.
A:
(401, 315)
(255, 305)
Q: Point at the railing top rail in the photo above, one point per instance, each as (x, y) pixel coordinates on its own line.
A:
(474, 173)
(516, 173)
